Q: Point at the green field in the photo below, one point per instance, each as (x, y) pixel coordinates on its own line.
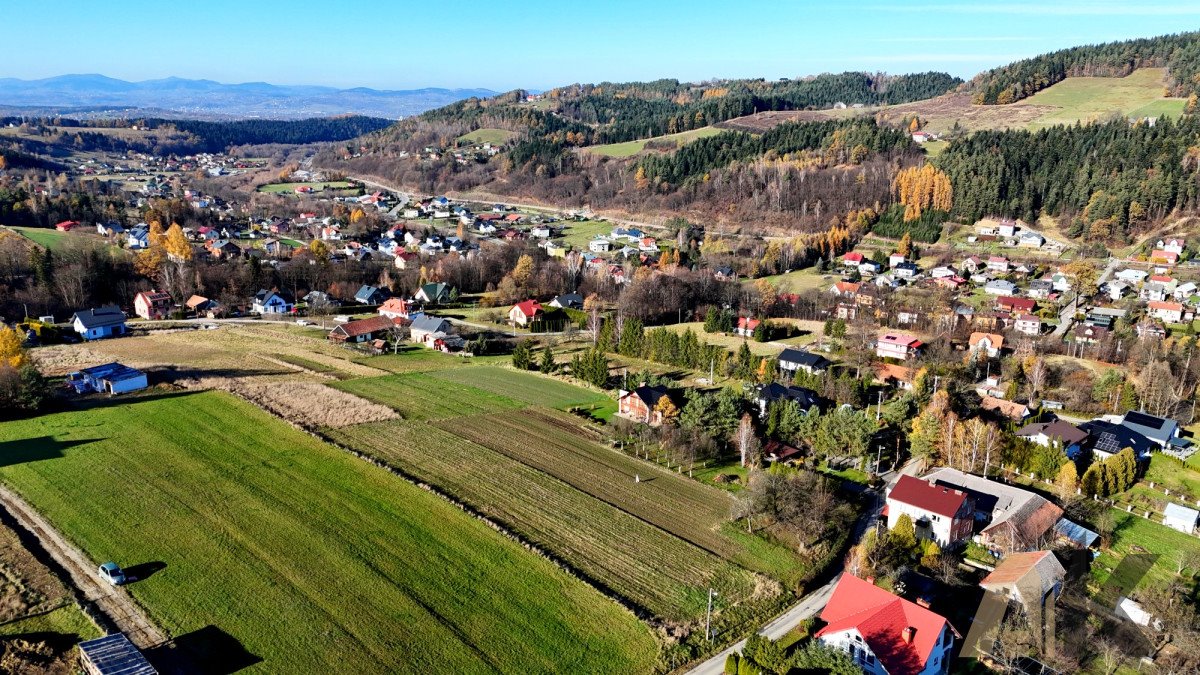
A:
(493, 136)
(631, 148)
(313, 560)
(419, 396)
(68, 620)
(526, 387)
(579, 234)
(416, 359)
(639, 561)
(1136, 535)
(1090, 99)
(42, 236)
(318, 187)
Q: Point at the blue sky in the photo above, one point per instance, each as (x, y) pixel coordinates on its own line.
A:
(542, 43)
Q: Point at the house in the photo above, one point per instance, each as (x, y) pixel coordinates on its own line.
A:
(648, 245)
(1008, 303)
(897, 346)
(1150, 329)
(1162, 431)
(1058, 433)
(568, 301)
(1180, 518)
(198, 304)
(1000, 287)
(894, 375)
(66, 225)
(1132, 276)
(767, 394)
(425, 329)
(363, 330)
(110, 378)
(404, 259)
(319, 300)
(395, 308)
(599, 245)
(1006, 228)
(952, 282)
(1028, 324)
(1167, 312)
(869, 267)
(791, 360)
(370, 295)
(906, 270)
(845, 289)
(1185, 290)
(724, 273)
(883, 633)
(641, 404)
(1011, 519)
(433, 293)
(1089, 335)
(852, 259)
(1107, 438)
(997, 264)
(1040, 289)
(98, 323)
(942, 272)
(1170, 246)
(1030, 240)
(1075, 535)
(109, 229)
(270, 302)
(987, 343)
(745, 326)
(777, 451)
(151, 305)
(941, 514)
(525, 313)
(138, 237)
(1163, 257)
(895, 259)
(1033, 581)
(1012, 410)
(113, 655)
(971, 264)
(1115, 290)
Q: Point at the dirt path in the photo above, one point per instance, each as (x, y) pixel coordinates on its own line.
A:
(112, 601)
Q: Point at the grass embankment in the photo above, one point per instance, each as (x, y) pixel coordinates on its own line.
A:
(312, 560)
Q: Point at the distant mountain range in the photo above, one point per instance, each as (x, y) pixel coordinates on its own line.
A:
(98, 94)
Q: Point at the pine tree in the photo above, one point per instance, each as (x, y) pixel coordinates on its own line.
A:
(547, 364)
(522, 358)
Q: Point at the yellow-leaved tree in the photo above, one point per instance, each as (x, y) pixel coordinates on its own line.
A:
(11, 352)
(921, 189)
(177, 245)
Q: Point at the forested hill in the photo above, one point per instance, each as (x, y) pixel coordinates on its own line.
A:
(1179, 53)
(218, 136)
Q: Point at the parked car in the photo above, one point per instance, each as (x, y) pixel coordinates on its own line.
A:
(112, 573)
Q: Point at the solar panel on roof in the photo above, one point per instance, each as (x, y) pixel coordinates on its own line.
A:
(115, 655)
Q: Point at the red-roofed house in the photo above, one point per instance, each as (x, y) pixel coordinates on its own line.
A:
(1167, 312)
(1166, 257)
(364, 330)
(395, 308)
(746, 326)
(852, 259)
(940, 513)
(884, 633)
(524, 313)
(845, 288)
(65, 226)
(1007, 303)
(152, 305)
(897, 346)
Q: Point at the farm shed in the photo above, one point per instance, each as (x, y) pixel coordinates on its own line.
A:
(113, 655)
(1180, 518)
(110, 378)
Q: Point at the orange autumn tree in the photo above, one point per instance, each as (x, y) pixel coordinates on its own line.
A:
(920, 189)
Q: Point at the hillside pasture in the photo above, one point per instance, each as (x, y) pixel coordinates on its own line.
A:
(290, 188)
(1091, 99)
(493, 136)
(640, 562)
(43, 236)
(631, 148)
(579, 233)
(307, 558)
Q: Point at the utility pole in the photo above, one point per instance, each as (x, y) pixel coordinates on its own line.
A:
(708, 617)
(879, 406)
(878, 457)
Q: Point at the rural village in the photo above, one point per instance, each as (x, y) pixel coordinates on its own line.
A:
(514, 433)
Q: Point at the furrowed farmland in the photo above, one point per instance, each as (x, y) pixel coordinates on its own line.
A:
(306, 558)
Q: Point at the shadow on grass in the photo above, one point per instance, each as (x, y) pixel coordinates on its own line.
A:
(143, 571)
(207, 651)
(35, 449)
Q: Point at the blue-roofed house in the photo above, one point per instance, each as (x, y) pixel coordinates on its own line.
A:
(110, 378)
(1160, 430)
(1106, 439)
(99, 323)
(370, 295)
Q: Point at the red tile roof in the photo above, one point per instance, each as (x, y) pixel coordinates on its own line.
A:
(746, 323)
(1022, 304)
(1169, 306)
(853, 257)
(365, 326)
(882, 619)
(937, 499)
(529, 308)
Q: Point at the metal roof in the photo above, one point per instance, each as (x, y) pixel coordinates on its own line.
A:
(115, 655)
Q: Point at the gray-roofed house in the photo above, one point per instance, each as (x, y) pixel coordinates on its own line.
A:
(110, 378)
(1000, 287)
(1065, 435)
(1180, 518)
(767, 394)
(370, 295)
(99, 323)
(270, 302)
(568, 301)
(791, 360)
(1160, 430)
(1107, 439)
(425, 329)
(1012, 519)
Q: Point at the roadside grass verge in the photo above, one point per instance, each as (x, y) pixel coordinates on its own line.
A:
(311, 559)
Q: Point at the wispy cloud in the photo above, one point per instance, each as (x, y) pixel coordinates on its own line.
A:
(1067, 9)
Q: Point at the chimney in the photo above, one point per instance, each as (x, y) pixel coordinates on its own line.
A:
(870, 580)
(908, 634)
(924, 602)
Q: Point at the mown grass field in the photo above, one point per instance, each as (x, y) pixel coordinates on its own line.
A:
(42, 236)
(631, 148)
(639, 561)
(1089, 99)
(494, 136)
(317, 187)
(419, 396)
(580, 233)
(525, 387)
(313, 560)
(1136, 535)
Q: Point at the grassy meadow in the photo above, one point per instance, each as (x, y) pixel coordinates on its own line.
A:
(308, 558)
(631, 148)
(1090, 99)
(493, 136)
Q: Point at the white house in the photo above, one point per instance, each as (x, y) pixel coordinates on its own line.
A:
(270, 302)
(997, 264)
(1170, 245)
(1167, 312)
(941, 514)
(1028, 324)
(1132, 276)
(897, 346)
(1031, 240)
(600, 245)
